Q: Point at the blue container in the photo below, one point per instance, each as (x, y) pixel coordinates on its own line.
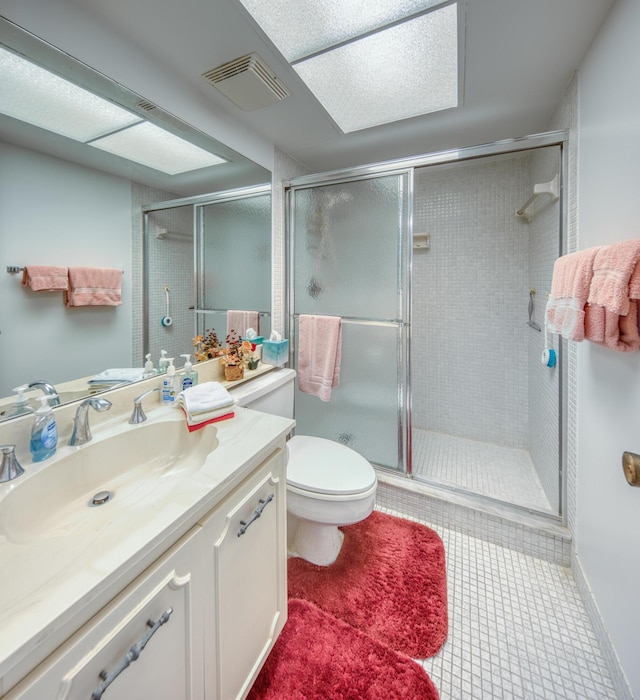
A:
(258, 340)
(275, 352)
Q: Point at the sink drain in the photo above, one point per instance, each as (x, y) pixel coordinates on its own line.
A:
(101, 498)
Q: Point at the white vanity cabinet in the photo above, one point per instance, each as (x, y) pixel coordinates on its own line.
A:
(246, 554)
(168, 667)
(222, 591)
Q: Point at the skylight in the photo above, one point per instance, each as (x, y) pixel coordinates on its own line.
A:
(368, 63)
(37, 96)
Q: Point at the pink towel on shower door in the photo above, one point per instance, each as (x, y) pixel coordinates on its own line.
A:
(319, 353)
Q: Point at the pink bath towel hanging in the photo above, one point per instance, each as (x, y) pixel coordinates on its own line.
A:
(94, 286)
(241, 321)
(613, 270)
(319, 355)
(46, 278)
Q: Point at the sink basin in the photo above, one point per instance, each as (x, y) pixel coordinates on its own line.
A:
(135, 464)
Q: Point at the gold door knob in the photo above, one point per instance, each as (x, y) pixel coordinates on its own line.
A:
(631, 466)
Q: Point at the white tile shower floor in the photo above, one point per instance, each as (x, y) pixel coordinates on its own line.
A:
(499, 472)
(517, 629)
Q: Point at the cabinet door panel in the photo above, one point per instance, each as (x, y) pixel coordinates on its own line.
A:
(248, 551)
(163, 669)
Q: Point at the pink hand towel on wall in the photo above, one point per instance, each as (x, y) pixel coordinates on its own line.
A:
(319, 353)
(94, 286)
(570, 286)
(240, 321)
(46, 278)
(613, 269)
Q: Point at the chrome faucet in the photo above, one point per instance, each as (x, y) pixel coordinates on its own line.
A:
(138, 415)
(48, 390)
(81, 430)
(9, 467)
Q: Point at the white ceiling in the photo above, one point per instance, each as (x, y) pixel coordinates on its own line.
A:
(519, 56)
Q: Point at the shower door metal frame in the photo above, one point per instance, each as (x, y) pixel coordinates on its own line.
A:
(559, 138)
(404, 303)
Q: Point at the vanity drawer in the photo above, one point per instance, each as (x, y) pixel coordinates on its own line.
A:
(159, 608)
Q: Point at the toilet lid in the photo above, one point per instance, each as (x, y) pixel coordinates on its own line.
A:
(325, 466)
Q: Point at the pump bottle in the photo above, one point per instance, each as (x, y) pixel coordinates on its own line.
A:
(188, 377)
(169, 382)
(149, 369)
(44, 434)
(21, 406)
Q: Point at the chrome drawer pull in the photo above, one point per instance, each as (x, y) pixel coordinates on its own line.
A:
(256, 514)
(131, 656)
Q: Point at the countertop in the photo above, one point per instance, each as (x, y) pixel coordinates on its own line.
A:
(49, 587)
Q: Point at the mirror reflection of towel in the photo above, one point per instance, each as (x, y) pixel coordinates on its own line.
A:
(240, 321)
(94, 286)
(46, 278)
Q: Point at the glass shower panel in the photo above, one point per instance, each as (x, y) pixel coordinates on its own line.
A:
(362, 413)
(346, 249)
(235, 251)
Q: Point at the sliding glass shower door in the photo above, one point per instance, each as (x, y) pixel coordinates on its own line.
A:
(349, 258)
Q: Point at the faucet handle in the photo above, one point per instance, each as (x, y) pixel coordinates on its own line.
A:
(138, 415)
(9, 467)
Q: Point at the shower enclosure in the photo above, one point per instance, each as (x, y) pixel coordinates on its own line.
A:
(204, 256)
(441, 281)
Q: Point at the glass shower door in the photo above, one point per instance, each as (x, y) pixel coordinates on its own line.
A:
(349, 258)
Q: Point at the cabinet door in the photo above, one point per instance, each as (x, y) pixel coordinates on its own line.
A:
(168, 667)
(246, 540)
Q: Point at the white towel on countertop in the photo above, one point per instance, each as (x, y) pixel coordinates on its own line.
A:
(205, 398)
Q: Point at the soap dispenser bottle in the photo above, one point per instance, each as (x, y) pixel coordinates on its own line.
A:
(149, 369)
(21, 406)
(163, 362)
(169, 382)
(44, 434)
(188, 377)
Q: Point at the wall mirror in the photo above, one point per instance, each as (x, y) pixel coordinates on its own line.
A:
(66, 203)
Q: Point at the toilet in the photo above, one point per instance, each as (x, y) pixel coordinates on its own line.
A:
(329, 485)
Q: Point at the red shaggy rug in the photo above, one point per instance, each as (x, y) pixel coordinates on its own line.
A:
(389, 581)
(320, 658)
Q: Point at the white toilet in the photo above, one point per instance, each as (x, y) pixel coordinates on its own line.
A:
(329, 485)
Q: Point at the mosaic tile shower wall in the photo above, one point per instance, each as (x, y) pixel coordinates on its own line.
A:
(470, 297)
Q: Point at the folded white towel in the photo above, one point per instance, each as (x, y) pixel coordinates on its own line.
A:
(120, 374)
(204, 398)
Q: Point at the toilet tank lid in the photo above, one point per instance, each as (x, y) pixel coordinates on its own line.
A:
(324, 466)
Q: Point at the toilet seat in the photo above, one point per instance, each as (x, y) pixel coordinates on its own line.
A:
(327, 468)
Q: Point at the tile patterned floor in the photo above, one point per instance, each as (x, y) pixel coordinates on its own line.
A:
(517, 629)
(503, 473)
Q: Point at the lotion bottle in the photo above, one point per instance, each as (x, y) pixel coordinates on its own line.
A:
(21, 406)
(44, 434)
(163, 362)
(188, 377)
(149, 369)
(169, 381)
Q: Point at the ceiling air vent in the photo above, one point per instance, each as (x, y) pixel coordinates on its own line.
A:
(248, 82)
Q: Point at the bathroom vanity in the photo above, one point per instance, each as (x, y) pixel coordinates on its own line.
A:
(173, 588)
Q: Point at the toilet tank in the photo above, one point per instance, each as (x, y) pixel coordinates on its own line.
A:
(271, 392)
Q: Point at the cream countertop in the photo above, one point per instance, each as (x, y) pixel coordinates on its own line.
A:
(50, 586)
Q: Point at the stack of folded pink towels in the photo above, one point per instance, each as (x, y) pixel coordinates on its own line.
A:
(594, 296)
(206, 403)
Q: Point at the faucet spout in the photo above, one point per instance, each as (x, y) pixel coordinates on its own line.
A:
(81, 430)
(47, 389)
(9, 467)
(138, 415)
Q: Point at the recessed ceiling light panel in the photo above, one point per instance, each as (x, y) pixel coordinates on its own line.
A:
(302, 27)
(404, 71)
(156, 148)
(39, 97)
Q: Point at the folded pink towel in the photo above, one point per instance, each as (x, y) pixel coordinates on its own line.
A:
(45, 278)
(569, 292)
(240, 321)
(613, 268)
(319, 353)
(611, 330)
(94, 286)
